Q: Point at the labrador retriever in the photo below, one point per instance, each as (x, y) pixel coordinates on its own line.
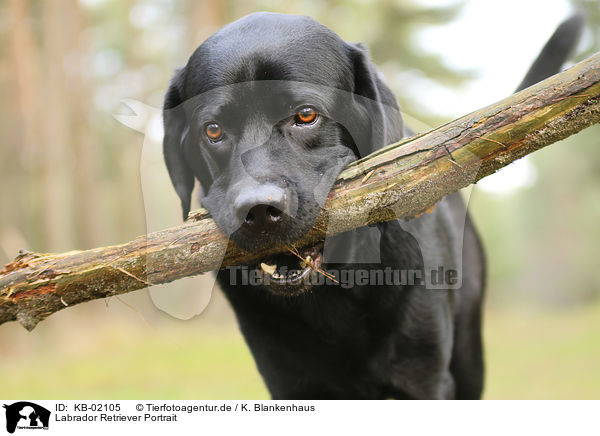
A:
(265, 115)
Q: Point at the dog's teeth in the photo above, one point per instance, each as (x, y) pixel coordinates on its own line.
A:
(307, 261)
(269, 269)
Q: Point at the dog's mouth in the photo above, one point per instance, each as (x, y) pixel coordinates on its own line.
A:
(294, 272)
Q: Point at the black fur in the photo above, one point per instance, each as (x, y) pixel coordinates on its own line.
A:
(370, 341)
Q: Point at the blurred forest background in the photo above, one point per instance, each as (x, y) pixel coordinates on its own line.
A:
(70, 178)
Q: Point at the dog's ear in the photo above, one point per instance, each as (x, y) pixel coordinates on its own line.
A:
(176, 127)
(376, 100)
(364, 80)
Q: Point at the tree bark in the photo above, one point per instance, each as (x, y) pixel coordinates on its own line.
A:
(402, 180)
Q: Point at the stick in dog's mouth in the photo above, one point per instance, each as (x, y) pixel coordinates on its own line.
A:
(292, 268)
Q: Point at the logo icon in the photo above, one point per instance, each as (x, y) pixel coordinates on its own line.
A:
(26, 415)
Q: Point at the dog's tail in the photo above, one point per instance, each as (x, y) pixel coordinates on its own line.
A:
(555, 52)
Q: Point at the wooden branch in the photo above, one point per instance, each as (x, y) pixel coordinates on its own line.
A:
(399, 181)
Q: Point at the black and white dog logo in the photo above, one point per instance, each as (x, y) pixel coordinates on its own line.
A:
(26, 415)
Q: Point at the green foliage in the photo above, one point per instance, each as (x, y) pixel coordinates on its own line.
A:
(591, 40)
(542, 241)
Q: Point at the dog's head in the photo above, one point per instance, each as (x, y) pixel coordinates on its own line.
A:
(265, 115)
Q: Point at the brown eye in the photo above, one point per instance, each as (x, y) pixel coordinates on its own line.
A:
(306, 115)
(214, 131)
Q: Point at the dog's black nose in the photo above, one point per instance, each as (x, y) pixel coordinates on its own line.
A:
(262, 218)
(261, 209)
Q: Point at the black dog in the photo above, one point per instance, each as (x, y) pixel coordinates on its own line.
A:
(265, 115)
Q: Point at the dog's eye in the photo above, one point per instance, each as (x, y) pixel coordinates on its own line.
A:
(214, 131)
(306, 115)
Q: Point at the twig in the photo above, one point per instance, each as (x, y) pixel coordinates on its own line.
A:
(133, 276)
(312, 265)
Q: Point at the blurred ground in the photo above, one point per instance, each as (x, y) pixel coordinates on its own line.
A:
(530, 355)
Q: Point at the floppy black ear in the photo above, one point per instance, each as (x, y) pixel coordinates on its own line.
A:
(364, 76)
(175, 126)
(376, 99)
